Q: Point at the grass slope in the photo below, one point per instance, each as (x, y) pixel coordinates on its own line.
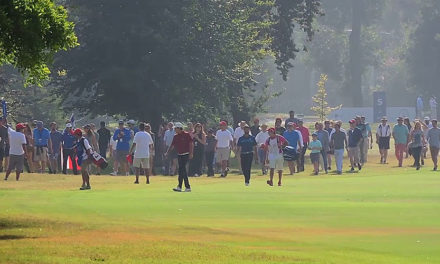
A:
(383, 214)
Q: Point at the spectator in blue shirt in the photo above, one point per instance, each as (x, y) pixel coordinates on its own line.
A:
(247, 147)
(122, 136)
(43, 145)
(69, 143)
(292, 136)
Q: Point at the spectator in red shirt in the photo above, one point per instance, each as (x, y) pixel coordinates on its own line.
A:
(183, 144)
(306, 139)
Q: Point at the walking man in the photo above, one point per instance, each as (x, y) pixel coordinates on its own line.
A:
(400, 135)
(43, 145)
(434, 142)
(383, 135)
(293, 138)
(338, 143)
(323, 137)
(261, 139)
(306, 139)
(419, 107)
(246, 147)
(274, 146)
(354, 139)
(223, 148)
(56, 138)
(17, 141)
(171, 159)
(183, 144)
(141, 148)
(367, 139)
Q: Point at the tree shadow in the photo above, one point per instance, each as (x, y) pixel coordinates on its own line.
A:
(12, 237)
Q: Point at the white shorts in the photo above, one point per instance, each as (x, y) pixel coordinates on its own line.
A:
(276, 163)
(223, 154)
(143, 163)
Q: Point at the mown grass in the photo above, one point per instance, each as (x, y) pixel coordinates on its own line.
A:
(383, 214)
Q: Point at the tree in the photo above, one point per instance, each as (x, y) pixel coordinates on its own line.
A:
(424, 55)
(320, 106)
(31, 33)
(177, 60)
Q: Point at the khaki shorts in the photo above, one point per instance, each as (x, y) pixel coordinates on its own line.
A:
(143, 163)
(40, 154)
(277, 163)
(16, 162)
(223, 154)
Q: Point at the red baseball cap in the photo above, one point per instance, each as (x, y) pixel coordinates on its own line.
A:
(223, 123)
(352, 121)
(77, 132)
(19, 126)
(271, 130)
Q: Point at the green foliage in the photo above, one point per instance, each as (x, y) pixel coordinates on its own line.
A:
(320, 106)
(177, 59)
(423, 55)
(31, 33)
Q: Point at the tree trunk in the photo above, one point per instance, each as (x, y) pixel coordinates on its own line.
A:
(355, 54)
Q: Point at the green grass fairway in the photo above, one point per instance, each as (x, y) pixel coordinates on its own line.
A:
(383, 214)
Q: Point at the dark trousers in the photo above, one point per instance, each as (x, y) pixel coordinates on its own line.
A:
(416, 152)
(183, 175)
(195, 165)
(301, 157)
(246, 165)
(69, 153)
(324, 157)
(209, 159)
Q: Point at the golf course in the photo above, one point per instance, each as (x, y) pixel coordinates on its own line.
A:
(383, 214)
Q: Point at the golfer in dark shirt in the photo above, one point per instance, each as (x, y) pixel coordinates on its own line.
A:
(247, 148)
(183, 144)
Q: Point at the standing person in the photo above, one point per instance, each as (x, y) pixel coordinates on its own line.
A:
(400, 135)
(113, 144)
(246, 145)
(433, 105)
(17, 151)
(293, 138)
(261, 139)
(315, 147)
(141, 148)
(29, 147)
(291, 118)
(55, 156)
(83, 149)
(132, 127)
(183, 144)
(4, 143)
(329, 128)
(103, 139)
(68, 145)
(419, 107)
(171, 160)
(223, 148)
(306, 139)
(354, 140)
(255, 129)
(323, 137)
(434, 142)
(383, 135)
(426, 125)
(103, 135)
(279, 129)
(211, 142)
(199, 138)
(367, 140)
(43, 145)
(239, 132)
(407, 123)
(274, 149)
(153, 151)
(339, 143)
(417, 141)
(122, 136)
(91, 137)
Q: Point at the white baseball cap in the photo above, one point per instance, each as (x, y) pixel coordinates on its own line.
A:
(68, 125)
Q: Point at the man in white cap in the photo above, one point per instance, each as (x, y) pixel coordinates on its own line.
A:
(383, 135)
(238, 133)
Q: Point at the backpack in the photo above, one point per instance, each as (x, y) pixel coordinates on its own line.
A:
(96, 158)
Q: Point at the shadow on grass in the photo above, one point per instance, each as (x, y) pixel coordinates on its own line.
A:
(12, 237)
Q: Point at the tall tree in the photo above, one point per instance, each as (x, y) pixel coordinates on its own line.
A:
(31, 33)
(179, 60)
